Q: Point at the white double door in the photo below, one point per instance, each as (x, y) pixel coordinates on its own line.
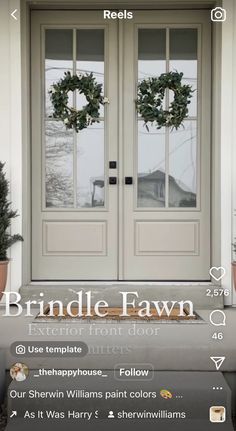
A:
(116, 201)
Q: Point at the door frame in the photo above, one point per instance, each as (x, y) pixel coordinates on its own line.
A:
(222, 211)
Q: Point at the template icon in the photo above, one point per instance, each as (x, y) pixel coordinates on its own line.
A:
(218, 361)
(20, 349)
(217, 414)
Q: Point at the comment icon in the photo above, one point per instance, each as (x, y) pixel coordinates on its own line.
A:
(218, 318)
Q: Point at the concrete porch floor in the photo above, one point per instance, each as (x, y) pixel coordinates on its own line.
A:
(176, 347)
(173, 346)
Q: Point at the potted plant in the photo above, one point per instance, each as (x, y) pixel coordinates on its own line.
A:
(6, 239)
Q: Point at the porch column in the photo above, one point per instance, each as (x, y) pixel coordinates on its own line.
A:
(234, 132)
(228, 134)
(10, 124)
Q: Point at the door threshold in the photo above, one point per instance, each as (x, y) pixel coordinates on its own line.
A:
(111, 291)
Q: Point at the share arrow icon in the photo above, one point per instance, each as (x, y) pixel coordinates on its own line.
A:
(218, 361)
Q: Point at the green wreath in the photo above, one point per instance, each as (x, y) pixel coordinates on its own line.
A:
(151, 93)
(71, 117)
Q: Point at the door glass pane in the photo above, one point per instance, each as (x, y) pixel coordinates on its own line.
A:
(151, 145)
(90, 166)
(183, 58)
(58, 59)
(58, 140)
(59, 166)
(90, 142)
(90, 58)
(151, 167)
(183, 166)
(151, 52)
(180, 145)
(74, 162)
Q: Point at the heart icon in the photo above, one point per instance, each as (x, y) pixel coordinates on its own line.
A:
(217, 272)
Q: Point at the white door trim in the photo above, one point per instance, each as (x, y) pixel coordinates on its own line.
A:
(11, 142)
(228, 134)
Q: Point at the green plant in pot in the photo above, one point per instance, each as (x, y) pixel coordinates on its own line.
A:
(6, 239)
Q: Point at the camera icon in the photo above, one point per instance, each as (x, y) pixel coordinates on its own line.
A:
(20, 349)
(218, 14)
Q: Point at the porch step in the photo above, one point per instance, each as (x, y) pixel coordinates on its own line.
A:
(198, 293)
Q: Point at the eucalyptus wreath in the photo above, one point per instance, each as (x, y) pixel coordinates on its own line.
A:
(72, 117)
(151, 93)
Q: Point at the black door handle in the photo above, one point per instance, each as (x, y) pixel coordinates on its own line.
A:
(128, 180)
(112, 180)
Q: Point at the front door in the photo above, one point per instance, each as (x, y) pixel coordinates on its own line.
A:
(118, 201)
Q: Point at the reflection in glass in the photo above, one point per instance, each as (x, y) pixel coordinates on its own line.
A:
(183, 58)
(151, 145)
(59, 165)
(58, 59)
(63, 173)
(181, 144)
(151, 166)
(90, 58)
(182, 166)
(58, 140)
(90, 166)
(151, 52)
(90, 142)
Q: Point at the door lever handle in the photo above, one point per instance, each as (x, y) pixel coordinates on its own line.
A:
(128, 180)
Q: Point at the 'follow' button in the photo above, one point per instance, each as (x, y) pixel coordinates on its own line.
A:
(136, 372)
